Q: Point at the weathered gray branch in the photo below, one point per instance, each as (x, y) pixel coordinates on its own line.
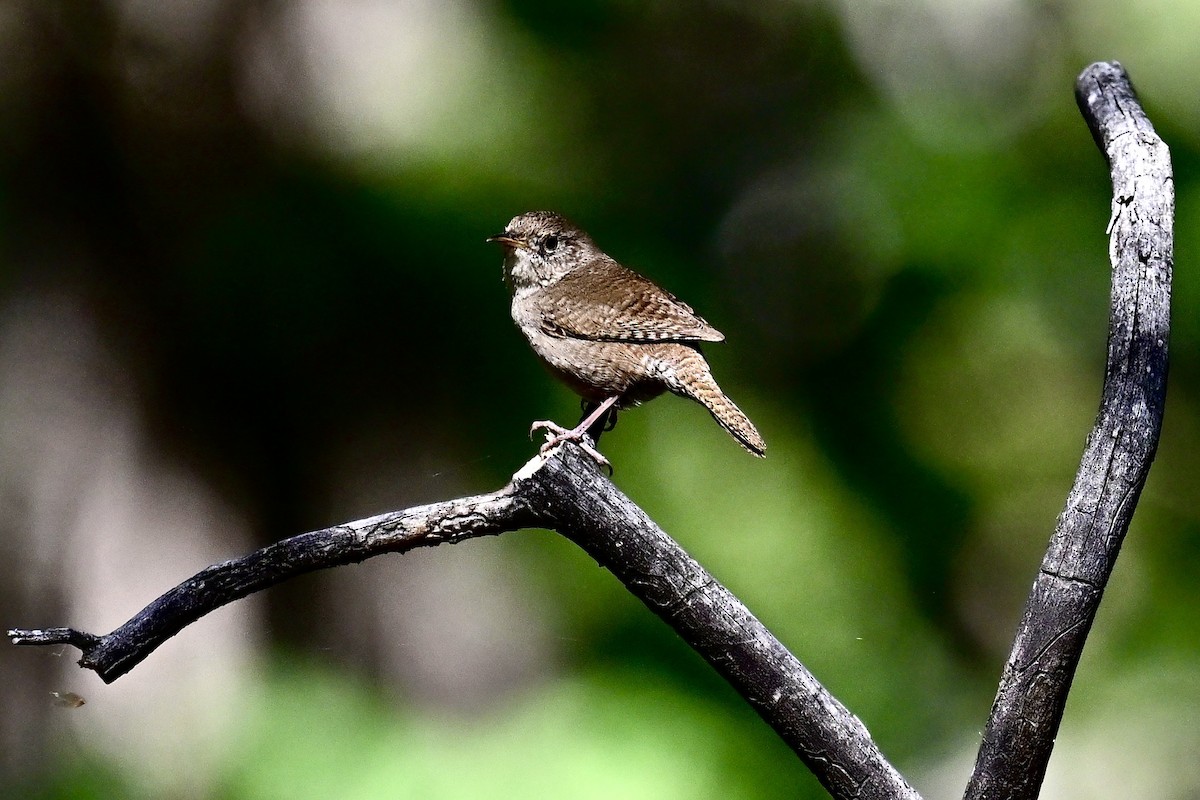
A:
(1116, 460)
(563, 492)
(114, 654)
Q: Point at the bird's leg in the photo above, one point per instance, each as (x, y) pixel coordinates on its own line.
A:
(559, 434)
(604, 424)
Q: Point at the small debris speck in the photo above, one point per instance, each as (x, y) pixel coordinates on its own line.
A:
(67, 699)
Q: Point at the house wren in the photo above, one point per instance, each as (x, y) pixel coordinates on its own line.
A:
(613, 336)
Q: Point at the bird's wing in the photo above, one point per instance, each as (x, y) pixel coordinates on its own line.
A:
(604, 301)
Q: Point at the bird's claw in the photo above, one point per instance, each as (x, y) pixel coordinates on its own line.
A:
(557, 434)
(553, 427)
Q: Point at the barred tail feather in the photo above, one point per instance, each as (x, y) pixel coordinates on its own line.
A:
(731, 418)
(695, 380)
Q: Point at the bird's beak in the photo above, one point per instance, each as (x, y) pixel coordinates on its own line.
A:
(507, 241)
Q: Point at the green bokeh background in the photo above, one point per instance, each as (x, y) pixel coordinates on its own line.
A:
(274, 216)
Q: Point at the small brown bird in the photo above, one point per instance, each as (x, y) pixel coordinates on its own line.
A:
(613, 336)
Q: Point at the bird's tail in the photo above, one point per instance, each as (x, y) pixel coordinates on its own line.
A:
(696, 381)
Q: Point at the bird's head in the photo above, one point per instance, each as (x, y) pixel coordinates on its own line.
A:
(540, 247)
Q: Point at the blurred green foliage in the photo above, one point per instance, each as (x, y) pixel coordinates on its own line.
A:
(905, 248)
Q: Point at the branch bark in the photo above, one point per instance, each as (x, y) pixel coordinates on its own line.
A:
(1058, 615)
(563, 492)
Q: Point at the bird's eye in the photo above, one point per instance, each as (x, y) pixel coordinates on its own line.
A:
(550, 244)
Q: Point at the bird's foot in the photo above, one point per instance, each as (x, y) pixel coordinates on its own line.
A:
(557, 434)
(546, 425)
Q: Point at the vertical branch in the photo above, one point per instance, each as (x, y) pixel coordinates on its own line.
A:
(1116, 460)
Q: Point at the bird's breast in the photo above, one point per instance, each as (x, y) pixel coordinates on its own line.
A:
(596, 370)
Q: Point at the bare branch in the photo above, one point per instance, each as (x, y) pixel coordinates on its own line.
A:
(1116, 460)
(563, 492)
(114, 654)
(831, 741)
